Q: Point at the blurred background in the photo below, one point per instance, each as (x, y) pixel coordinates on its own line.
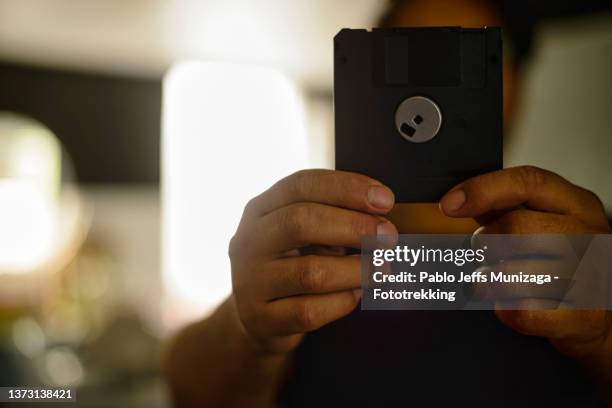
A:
(102, 121)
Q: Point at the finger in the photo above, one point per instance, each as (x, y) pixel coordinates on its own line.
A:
(335, 188)
(502, 245)
(315, 250)
(304, 224)
(300, 314)
(323, 250)
(523, 221)
(525, 185)
(555, 324)
(513, 288)
(528, 234)
(310, 274)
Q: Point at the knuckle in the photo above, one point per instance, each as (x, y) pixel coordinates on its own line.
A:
(530, 178)
(303, 182)
(250, 205)
(296, 218)
(305, 317)
(592, 199)
(363, 224)
(234, 247)
(311, 274)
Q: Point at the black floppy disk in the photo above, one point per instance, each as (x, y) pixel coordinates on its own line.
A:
(419, 109)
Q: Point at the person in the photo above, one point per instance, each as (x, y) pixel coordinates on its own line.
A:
(291, 333)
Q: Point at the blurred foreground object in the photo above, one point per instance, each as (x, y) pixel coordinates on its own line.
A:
(565, 123)
(229, 132)
(40, 209)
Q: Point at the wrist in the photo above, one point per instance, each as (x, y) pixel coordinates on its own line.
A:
(265, 349)
(212, 363)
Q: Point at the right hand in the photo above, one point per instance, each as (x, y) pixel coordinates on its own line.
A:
(289, 271)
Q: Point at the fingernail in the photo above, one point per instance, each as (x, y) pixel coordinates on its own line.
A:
(380, 197)
(357, 294)
(385, 229)
(453, 200)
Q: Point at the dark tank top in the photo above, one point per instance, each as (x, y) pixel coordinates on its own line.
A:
(432, 359)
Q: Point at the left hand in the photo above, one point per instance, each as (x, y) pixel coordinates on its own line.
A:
(529, 200)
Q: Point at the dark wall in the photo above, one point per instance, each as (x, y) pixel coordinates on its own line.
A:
(109, 125)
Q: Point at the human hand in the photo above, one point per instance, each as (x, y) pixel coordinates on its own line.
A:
(289, 271)
(529, 200)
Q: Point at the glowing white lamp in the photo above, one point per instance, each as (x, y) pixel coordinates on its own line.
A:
(29, 186)
(229, 132)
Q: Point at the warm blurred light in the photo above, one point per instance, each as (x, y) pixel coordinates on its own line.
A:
(229, 132)
(29, 181)
(63, 367)
(28, 226)
(28, 337)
